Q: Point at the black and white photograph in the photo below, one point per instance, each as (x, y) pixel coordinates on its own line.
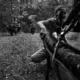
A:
(39, 40)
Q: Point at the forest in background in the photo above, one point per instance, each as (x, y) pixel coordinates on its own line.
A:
(16, 8)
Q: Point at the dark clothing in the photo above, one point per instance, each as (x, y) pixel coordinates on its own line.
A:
(50, 24)
(53, 25)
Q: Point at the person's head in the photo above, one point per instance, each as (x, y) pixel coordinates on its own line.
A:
(60, 12)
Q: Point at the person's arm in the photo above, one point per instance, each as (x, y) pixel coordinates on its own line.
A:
(41, 24)
(48, 25)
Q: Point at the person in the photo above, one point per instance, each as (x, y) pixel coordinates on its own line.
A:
(65, 53)
(47, 28)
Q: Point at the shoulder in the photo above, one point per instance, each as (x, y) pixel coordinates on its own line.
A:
(41, 24)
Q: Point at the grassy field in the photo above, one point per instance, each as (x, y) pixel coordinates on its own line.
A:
(15, 52)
